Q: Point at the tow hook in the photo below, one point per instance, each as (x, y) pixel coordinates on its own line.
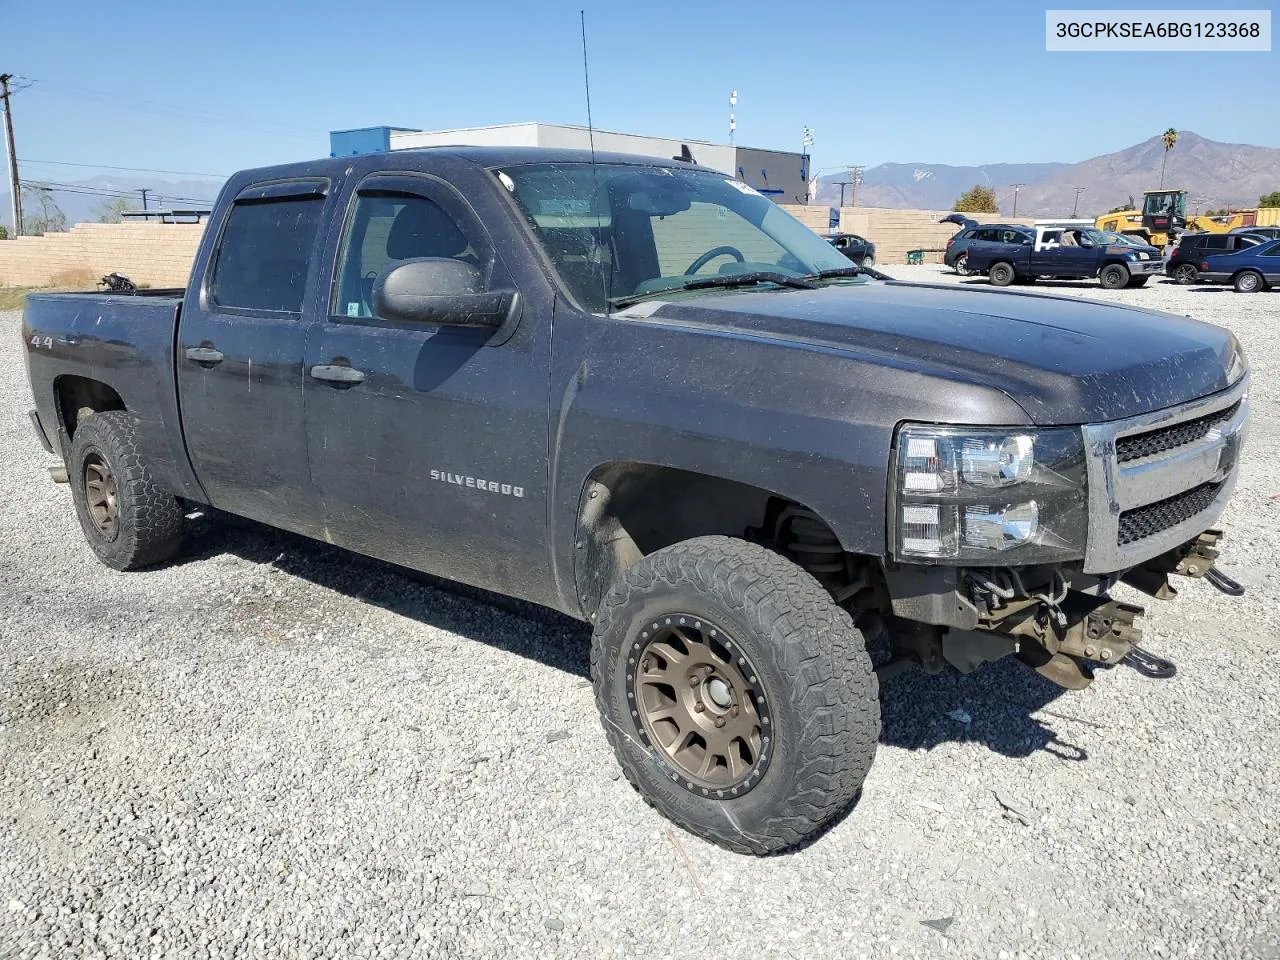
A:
(1224, 583)
(1149, 665)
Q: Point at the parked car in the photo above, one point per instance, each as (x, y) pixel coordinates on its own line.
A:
(1271, 233)
(1066, 253)
(1183, 259)
(641, 393)
(1249, 269)
(858, 249)
(956, 254)
(1125, 239)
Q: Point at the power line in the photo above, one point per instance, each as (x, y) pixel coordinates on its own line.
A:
(103, 192)
(107, 166)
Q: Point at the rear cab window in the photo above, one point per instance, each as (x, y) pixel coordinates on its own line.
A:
(266, 247)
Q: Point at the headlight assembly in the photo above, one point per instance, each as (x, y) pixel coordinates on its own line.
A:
(988, 497)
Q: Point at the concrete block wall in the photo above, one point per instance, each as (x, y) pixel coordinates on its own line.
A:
(156, 254)
(893, 231)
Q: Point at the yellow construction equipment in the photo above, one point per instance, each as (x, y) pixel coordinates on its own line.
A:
(1164, 212)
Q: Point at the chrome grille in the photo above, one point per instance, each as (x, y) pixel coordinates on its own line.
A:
(1167, 438)
(1157, 480)
(1142, 522)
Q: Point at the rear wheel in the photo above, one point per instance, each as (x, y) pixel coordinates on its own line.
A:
(1186, 273)
(961, 266)
(127, 519)
(1113, 276)
(1248, 281)
(1001, 274)
(738, 697)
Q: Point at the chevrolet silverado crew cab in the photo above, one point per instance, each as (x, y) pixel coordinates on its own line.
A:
(1068, 253)
(638, 392)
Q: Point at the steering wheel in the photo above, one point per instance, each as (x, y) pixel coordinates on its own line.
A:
(710, 255)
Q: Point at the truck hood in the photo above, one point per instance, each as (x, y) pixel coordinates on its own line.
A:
(1063, 360)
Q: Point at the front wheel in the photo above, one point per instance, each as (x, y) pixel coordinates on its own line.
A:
(1248, 281)
(868, 262)
(128, 520)
(1113, 276)
(738, 697)
(1001, 274)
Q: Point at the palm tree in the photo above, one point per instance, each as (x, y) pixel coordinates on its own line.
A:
(1170, 137)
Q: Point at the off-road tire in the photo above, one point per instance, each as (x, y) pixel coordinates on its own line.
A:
(148, 524)
(1248, 281)
(1186, 273)
(812, 663)
(1114, 276)
(1001, 274)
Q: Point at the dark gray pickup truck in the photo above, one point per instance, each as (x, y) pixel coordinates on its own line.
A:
(640, 393)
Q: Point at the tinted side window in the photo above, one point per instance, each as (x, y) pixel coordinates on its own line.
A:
(969, 235)
(386, 228)
(1271, 251)
(1218, 242)
(262, 257)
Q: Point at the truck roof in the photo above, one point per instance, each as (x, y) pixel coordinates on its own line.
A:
(481, 156)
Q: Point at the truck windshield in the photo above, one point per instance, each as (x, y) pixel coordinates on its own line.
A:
(620, 231)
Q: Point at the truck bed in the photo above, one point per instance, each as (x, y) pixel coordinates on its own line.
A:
(80, 335)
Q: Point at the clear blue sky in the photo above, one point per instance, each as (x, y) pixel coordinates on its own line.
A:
(210, 88)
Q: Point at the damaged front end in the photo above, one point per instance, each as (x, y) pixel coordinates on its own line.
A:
(1058, 622)
(1008, 542)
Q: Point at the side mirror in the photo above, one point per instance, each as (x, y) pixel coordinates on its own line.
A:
(439, 290)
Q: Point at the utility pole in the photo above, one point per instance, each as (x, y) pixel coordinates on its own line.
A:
(1016, 188)
(15, 197)
(842, 184)
(855, 177)
(144, 193)
(1075, 206)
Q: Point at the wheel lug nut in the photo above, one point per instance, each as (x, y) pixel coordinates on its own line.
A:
(699, 707)
(719, 721)
(694, 680)
(733, 711)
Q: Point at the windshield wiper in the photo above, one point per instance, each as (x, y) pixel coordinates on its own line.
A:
(851, 271)
(747, 279)
(727, 280)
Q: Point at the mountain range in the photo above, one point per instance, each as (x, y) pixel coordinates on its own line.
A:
(1214, 174)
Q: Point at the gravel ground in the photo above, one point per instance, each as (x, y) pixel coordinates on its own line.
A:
(276, 749)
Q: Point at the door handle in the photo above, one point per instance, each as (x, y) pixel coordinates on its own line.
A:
(204, 355)
(338, 374)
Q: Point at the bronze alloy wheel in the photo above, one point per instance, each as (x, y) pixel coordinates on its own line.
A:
(100, 494)
(697, 701)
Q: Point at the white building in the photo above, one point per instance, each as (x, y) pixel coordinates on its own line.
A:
(776, 173)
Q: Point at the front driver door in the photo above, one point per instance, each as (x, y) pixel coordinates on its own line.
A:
(433, 452)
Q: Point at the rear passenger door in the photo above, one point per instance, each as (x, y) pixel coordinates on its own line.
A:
(241, 340)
